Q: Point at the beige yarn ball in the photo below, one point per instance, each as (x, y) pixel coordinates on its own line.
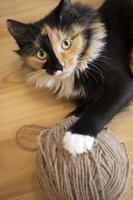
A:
(100, 174)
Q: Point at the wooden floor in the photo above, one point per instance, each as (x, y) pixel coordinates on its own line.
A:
(21, 104)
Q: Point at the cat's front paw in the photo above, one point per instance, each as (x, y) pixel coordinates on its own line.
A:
(77, 143)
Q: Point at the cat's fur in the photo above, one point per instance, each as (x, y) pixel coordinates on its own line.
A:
(94, 72)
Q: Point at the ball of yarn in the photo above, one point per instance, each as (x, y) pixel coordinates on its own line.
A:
(100, 174)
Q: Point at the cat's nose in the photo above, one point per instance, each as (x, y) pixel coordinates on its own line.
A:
(59, 67)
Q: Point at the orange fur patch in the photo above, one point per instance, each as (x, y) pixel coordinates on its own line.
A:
(43, 31)
(68, 57)
(34, 62)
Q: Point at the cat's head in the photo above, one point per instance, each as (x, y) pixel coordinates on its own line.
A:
(63, 41)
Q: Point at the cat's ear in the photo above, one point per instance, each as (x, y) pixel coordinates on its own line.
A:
(19, 31)
(65, 7)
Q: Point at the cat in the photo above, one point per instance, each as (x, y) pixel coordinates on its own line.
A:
(81, 54)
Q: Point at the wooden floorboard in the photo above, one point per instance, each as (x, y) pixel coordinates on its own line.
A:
(21, 104)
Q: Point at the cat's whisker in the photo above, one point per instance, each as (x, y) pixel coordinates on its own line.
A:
(97, 70)
(106, 57)
(31, 47)
(110, 61)
(101, 78)
(83, 77)
(107, 63)
(91, 74)
(28, 46)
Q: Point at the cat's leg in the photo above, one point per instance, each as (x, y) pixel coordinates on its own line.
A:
(82, 135)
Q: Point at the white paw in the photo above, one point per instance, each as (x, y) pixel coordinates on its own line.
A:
(77, 144)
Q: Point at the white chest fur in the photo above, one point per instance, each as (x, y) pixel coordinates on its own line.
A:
(60, 84)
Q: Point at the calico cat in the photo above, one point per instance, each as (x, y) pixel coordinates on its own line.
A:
(83, 55)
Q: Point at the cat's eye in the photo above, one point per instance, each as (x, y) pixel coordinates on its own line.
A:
(42, 55)
(67, 43)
